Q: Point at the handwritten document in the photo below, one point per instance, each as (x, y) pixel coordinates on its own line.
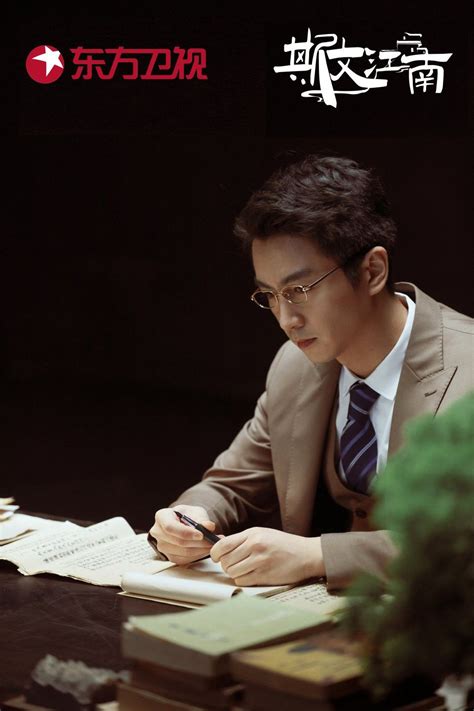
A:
(99, 554)
(311, 596)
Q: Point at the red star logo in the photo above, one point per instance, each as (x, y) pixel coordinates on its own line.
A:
(45, 64)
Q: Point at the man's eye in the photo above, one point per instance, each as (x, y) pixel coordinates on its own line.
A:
(265, 298)
(297, 289)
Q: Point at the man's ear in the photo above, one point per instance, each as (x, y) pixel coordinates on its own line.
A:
(375, 269)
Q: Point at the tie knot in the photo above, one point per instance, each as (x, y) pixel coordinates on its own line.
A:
(362, 398)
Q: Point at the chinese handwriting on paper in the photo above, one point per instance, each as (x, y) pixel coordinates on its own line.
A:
(153, 64)
(320, 62)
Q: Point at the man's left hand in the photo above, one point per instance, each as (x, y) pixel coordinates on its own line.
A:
(265, 556)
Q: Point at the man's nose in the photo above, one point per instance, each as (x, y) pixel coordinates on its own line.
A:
(288, 315)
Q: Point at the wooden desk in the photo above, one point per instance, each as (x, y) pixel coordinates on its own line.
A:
(46, 614)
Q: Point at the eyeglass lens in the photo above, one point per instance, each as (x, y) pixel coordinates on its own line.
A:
(293, 294)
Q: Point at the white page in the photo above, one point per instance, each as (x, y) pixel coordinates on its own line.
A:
(200, 583)
(310, 597)
(164, 600)
(98, 554)
(15, 551)
(106, 564)
(7, 512)
(21, 524)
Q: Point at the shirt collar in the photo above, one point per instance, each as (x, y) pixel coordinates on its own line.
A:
(384, 379)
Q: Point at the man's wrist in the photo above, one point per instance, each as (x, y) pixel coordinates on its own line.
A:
(315, 567)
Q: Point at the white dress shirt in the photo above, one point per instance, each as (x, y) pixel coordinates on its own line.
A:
(384, 380)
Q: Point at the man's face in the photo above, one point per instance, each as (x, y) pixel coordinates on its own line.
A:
(330, 323)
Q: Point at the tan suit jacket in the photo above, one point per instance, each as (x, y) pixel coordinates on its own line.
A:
(273, 464)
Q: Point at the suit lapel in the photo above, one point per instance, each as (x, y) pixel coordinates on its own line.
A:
(424, 379)
(416, 397)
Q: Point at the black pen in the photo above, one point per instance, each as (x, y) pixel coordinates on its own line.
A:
(208, 535)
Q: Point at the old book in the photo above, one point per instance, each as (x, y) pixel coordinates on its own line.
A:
(322, 672)
(215, 694)
(200, 641)
(204, 582)
(192, 585)
(132, 699)
(322, 666)
(148, 674)
(262, 698)
(145, 673)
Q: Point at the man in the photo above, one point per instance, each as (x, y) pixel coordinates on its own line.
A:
(361, 359)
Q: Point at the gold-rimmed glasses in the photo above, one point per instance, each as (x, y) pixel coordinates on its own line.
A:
(294, 294)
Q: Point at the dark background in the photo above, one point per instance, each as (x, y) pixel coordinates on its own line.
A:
(131, 353)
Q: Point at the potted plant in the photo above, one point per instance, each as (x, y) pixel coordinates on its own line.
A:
(421, 619)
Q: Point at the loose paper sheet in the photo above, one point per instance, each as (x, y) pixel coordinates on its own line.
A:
(22, 524)
(98, 554)
(7, 508)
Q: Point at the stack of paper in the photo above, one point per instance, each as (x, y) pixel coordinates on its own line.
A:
(7, 508)
(14, 525)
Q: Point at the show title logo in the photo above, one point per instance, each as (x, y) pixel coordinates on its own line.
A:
(45, 64)
(323, 64)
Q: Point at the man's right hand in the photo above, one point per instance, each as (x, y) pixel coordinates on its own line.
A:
(179, 542)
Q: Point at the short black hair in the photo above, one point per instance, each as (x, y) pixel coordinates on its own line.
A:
(332, 200)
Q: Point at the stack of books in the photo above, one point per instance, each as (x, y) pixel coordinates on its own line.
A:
(315, 673)
(182, 661)
(323, 672)
(156, 688)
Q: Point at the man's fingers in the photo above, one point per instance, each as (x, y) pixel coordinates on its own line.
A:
(161, 535)
(226, 545)
(208, 524)
(241, 568)
(179, 541)
(196, 541)
(190, 553)
(185, 559)
(172, 528)
(253, 578)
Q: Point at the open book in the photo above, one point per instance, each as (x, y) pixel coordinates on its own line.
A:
(204, 582)
(193, 585)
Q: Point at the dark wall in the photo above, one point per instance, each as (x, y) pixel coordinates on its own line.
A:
(131, 353)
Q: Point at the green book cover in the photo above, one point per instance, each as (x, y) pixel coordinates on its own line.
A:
(227, 626)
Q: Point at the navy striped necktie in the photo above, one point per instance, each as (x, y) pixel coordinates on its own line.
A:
(358, 445)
